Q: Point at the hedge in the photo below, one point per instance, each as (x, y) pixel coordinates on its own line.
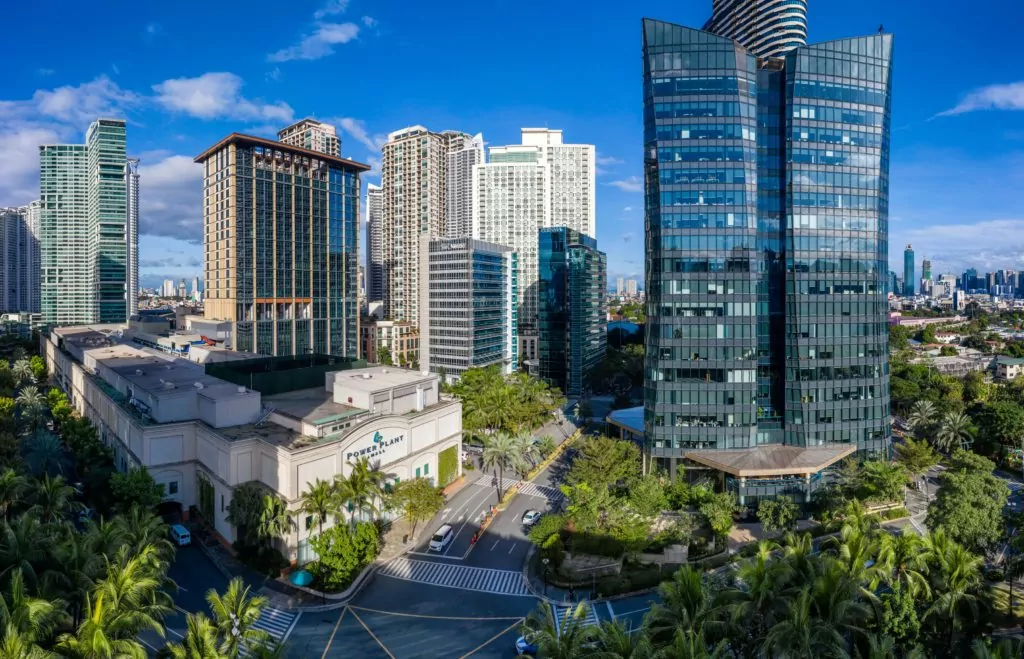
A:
(447, 465)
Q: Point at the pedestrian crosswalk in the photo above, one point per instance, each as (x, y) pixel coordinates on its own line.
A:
(552, 494)
(562, 612)
(276, 622)
(484, 580)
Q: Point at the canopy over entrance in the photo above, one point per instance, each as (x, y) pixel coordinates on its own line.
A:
(773, 459)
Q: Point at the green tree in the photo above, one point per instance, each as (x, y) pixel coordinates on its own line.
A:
(528, 452)
(586, 506)
(343, 552)
(922, 416)
(955, 430)
(234, 614)
(200, 640)
(898, 337)
(500, 453)
(948, 351)
(135, 487)
(384, 356)
(928, 335)
(361, 491)
(685, 604)
(32, 405)
(618, 641)
(244, 511)
(22, 371)
(33, 618)
(802, 634)
(900, 619)
(881, 480)
(916, 456)
(976, 390)
(38, 366)
(318, 501)
(647, 496)
(52, 499)
(956, 577)
(718, 513)
(778, 514)
(905, 563)
(566, 641)
(13, 487)
(419, 500)
(603, 462)
(104, 633)
(1001, 422)
(969, 506)
(43, 453)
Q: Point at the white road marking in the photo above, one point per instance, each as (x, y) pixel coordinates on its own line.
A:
(512, 547)
(611, 611)
(495, 544)
(463, 526)
(530, 489)
(276, 622)
(485, 580)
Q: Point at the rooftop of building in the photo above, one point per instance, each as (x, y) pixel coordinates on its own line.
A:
(773, 459)
(240, 138)
(1009, 361)
(631, 418)
(375, 378)
(315, 406)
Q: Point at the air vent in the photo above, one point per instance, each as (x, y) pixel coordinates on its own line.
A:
(139, 371)
(197, 385)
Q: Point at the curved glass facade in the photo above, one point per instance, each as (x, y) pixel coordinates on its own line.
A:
(766, 224)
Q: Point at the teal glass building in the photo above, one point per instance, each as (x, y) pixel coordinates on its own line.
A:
(766, 228)
(908, 271)
(572, 308)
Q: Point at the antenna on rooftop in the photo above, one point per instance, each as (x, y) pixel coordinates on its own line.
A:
(881, 28)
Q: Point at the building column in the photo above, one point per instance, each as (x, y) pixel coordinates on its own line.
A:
(672, 469)
(807, 488)
(743, 484)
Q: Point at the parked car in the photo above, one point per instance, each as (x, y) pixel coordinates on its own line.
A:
(442, 538)
(530, 517)
(180, 535)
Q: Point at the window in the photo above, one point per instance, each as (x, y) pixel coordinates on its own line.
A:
(426, 469)
(172, 487)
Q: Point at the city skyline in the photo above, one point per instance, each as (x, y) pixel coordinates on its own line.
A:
(180, 95)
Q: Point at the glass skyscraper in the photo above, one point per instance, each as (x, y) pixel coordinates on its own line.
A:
(908, 271)
(766, 218)
(572, 309)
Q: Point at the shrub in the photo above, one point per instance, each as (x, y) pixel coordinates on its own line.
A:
(447, 465)
(343, 553)
(895, 513)
(546, 526)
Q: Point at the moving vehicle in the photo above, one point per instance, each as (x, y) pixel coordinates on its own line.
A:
(442, 538)
(180, 535)
(525, 646)
(530, 517)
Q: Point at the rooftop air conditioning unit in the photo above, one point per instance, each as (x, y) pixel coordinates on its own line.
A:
(197, 385)
(241, 389)
(367, 376)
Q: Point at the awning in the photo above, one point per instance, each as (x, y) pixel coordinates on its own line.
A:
(772, 459)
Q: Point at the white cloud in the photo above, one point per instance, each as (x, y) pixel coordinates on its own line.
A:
(81, 105)
(274, 75)
(608, 160)
(217, 96)
(331, 8)
(993, 97)
(632, 184)
(375, 165)
(370, 21)
(170, 197)
(627, 209)
(357, 129)
(318, 44)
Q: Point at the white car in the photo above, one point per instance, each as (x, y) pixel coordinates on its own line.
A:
(530, 517)
(442, 538)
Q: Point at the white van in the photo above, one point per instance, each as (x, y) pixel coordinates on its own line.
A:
(442, 538)
(180, 535)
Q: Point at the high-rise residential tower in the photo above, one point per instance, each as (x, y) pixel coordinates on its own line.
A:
(83, 227)
(908, 271)
(280, 232)
(312, 135)
(131, 227)
(468, 291)
(766, 183)
(459, 187)
(524, 188)
(620, 286)
(374, 243)
(765, 28)
(19, 259)
(573, 309)
(926, 269)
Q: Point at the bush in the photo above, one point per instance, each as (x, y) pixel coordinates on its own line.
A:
(895, 513)
(447, 465)
(546, 526)
(265, 560)
(995, 575)
(343, 553)
(595, 545)
(468, 465)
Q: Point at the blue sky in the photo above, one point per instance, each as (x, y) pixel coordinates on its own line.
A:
(186, 73)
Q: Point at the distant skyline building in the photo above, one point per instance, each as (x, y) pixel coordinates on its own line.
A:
(131, 227)
(765, 269)
(573, 318)
(312, 135)
(908, 271)
(83, 228)
(468, 306)
(766, 28)
(182, 292)
(926, 269)
(631, 287)
(459, 187)
(374, 242)
(281, 246)
(167, 290)
(414, 178)
(620, 286)
(19, 259)
(524, 188)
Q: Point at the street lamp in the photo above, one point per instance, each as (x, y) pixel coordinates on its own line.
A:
(545, 561)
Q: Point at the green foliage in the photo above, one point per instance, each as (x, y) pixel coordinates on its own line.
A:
(492, 402)
(547, 535)
(1000, 423)
(916, 456)
(418, 499)
(927, 335)
(882, 481)
(342, 553)
(969, 506)
(968, 461)
(206, 496)
(38, 366)
(778, 514)
(384, 356)
(647, 496)
(602, 462)
(586, 505)
(259, 515)
(948, 351)
(718, 512)
(447, 465)
(899, 617)
(898, 337)
(620, 370)
(135, 487)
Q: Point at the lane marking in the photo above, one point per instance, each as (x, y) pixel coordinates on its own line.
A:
(492, 639)
(512, 548)
(495, 544)
(372, 635)
(459, 532)
(621, 615)
(147, 645)
(333, 632)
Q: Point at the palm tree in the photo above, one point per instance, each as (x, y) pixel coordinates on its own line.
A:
(903, 561)
(133, 590)
(500, 453)
(957, 573)
(32, 404)
(922, 415)
(103, 634)
(528, 452)
(17, 645)
(761, 595)
(234, 614)
(1009, 648)
(52, 499)
(80, 565)
(566, 641)
(855, 552)
(691, 645)
(685, 605)
(318, 502)
(274, 521)
(363, 487)
(44, 453)
(12, 488)
(25, 544)
(801, 634)
(954, 432)
(22, 371)
(617, 641)
(141, 528)
(31, 617)
(199, 642)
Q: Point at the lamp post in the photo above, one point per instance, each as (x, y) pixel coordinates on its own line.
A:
(545, 561)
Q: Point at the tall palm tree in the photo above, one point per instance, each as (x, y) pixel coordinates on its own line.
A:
(141, 528)
(954, 432)
(318, 502)
(761, 600)
(958, 573)
(25, 545)
(691, 645)
(80, 564)
(199, 642)
(360, 490)
(44, 453)
(274, 521)
(32, 404)
(801, 634)
(922, 415)
(855, 552)
(500, 453)
(22, 371)
(133, 592)
(903, 560)
(685, 605)
(554, 641)
(33, 618)
(52, 499)
(103, 634)
(12, 489)
(616, 640)
(234, 614)
(528, 452)
(16, 645)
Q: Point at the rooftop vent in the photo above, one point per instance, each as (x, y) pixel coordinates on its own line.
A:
(139, 371)
(241, 389)
(367, 376)
(197, 385)
(169, 385)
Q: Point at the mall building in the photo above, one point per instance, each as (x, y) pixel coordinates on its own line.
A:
(201, 431)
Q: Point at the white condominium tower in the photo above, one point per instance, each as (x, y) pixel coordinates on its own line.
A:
(374, 248)
(525, 188)
(19, 259)
(312, 135)
(131, 228)
(414, 177)
(459, 193)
